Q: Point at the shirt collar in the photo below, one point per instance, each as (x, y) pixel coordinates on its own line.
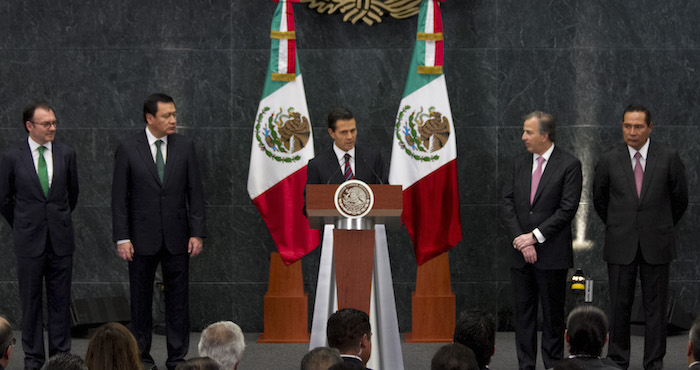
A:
(152, 139)
(643, 151)
(546, 154)
(340, 153)
(33, 145)
(350, 356)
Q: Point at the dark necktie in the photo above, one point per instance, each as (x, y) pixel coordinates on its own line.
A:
(43, 172)
(160, 164)
(347, 171)
(638, 174)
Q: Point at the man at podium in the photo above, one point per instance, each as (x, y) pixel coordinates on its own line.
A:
(345, 161)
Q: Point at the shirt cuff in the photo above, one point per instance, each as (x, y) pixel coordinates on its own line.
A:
(122, 241)
(538, 235)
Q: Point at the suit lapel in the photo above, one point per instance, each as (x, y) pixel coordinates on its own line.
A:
(525, 175)
(28, 161)
(623, 156)
(652, 160)
(57, 155)
(172, 154)
(145, 152)
(333, 167)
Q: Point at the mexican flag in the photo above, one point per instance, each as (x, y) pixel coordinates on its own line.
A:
(283, 145)
(424, 153)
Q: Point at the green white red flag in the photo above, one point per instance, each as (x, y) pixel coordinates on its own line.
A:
(283, 144)
(424, 152)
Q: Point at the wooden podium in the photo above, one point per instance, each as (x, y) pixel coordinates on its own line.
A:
(353, 238)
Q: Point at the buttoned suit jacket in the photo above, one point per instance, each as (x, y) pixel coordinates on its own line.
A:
(152, 213)
(32, 215)
(647, 222)
(554, 206)
(325, 169)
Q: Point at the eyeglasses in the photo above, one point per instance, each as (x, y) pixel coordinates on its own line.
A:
(46, 124)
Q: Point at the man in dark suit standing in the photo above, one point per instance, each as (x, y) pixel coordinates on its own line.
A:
(540, 198)
(640, 192)
(158, 217)
(38, 191)
(346, 161)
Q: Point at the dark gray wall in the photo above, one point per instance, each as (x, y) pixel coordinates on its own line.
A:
(581, 60)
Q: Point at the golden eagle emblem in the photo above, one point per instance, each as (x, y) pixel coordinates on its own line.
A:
(369, 11)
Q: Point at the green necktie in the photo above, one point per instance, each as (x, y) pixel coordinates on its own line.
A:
(160, 164)
(43, 172)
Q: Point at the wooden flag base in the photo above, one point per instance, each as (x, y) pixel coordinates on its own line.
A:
(286, 305)
(433, 303)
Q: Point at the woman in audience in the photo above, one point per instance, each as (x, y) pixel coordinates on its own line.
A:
(113, 347)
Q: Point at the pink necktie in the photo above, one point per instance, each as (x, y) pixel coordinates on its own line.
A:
(638, 174)
(536, 176)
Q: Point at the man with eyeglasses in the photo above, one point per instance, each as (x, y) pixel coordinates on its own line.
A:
(38, 192)
(7, 341)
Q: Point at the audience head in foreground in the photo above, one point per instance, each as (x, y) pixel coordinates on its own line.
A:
(223, 342)
(476, 329)
(198, 363)
(454, 356)
(350, 333)
(586, 333)
(112, 347)
(7, 341)
(320, 358)
(694, 346)
(65, 361)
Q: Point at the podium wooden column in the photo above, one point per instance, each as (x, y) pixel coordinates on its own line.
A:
(353, 249)
(433, 303)
(286, 305)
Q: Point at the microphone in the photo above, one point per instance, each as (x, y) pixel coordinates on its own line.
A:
(372, 169)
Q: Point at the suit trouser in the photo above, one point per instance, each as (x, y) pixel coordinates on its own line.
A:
(177, 317)
(654, 279)
(531, 284)
(56, 271)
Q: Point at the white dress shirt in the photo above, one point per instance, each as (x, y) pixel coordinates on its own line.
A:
(643, 152)
(48, 157)
(341, 158)
(152, 144)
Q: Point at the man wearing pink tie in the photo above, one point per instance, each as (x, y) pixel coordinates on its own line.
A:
(640, 192)
(541, 194)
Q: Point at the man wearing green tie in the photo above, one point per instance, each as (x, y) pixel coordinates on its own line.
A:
(38, 192)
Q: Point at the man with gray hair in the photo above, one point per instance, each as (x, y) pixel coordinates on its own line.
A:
(224, 343)
(541, 194)
(321, 358)
(7, 341)
(694, 346)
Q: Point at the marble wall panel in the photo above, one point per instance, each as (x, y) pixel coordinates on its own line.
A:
(215, 262)
(95, 258)
(477, 165)
(576, 24)
(600, 84)
(472, 81)
(212, 302)
(106, 88)
(481, 254)
(118, 25)
(10, 306)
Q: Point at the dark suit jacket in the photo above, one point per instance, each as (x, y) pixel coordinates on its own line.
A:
(150, 213)
(555, 205)
(591, 363)
(353, 361)
(30, 213)
(369, 167)
(647, 223)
